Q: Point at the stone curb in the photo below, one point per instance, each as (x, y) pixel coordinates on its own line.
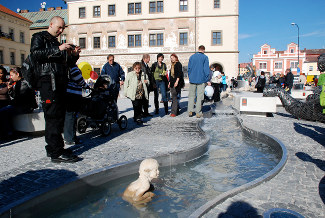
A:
(96, 177)
(268, 176)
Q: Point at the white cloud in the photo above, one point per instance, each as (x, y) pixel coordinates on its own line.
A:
(245, 36)
(316, 33)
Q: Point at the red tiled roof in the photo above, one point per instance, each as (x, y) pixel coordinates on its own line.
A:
(243, 65)
(10, 12)
(315, 51)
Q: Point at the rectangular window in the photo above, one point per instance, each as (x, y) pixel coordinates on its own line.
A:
(292, 51)
(134, 8)
(96, 11)
(156, 39)
(311, 68)
(131, 8)
(263, 66)
(22, 37)
(11, 34)
(160, 6)
(63, 38)
(152, 40)
(82, 42)
(134, 40)
(216, 38)
(156, 6)
(183, 5)
(12, 58)
(294, 64)
(1, 57)
(111, 41)
(82, 12)
(216, 3)
(152, 7)
(138, 8)
(183, 38)
(111, 10)
(264, 52)
(22, 58)
(96, 42)
(278, 65)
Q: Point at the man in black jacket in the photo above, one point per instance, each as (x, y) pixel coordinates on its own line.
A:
(146, 69)
(52, 62)
(288, 80)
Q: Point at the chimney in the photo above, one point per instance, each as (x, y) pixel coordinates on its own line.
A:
(24, 11)
(58, 8)
(42, 9)
(50, 9)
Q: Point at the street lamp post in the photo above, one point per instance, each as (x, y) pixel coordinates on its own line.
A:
(294, 24)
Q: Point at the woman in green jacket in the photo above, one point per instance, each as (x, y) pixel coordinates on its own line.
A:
(135, 88)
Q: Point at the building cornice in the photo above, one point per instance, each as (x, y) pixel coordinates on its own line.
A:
(158, 18)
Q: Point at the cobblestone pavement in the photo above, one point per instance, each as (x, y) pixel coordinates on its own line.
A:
(300, 185)
(25, 171)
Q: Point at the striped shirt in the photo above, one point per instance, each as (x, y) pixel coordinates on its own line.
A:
(76, 81)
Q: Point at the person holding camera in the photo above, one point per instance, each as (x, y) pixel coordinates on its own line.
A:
(52, 62)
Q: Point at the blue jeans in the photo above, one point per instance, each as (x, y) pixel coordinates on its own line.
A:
(69, 129)
(162, 86)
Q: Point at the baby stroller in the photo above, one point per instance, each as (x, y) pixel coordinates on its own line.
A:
(100, 109)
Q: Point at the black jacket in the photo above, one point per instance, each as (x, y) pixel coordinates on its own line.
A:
(146, 69)
(289, 80)
(22, 97)
(178, 73)
(49, 59)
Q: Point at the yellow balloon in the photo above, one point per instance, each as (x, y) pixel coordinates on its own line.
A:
(85, 69)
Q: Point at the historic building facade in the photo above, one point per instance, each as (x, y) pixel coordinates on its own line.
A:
(14, 38)
(129, 28)
(271, 61)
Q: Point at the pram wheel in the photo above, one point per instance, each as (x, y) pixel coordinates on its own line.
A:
(122, 122)
(81, 125)
(106, 128)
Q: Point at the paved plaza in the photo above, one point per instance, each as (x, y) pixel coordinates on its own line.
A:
(300, 186)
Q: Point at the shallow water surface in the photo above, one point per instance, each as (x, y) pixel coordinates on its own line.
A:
(233, 159)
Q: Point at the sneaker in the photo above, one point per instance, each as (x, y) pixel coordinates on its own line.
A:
(198, 115)
(139, 121)
(65, 158)
(190, 114)
(69, 143)
(172, 115)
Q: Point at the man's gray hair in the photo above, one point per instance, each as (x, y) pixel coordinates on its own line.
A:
(145, 56)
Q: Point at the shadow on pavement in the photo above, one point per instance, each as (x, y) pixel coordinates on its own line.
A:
(314, 132)
(240, 209)
(321, 165)
(32, 183)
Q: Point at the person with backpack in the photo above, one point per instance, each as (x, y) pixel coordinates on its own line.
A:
(176, 83)
(52, 61)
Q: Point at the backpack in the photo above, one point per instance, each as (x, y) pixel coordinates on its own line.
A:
(29, 73)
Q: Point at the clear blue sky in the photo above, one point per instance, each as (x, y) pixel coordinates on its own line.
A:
(260, 21)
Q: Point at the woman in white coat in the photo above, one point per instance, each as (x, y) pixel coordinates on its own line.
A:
(135, 88)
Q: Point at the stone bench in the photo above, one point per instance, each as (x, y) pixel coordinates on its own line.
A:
(255, 105)
(32, 122)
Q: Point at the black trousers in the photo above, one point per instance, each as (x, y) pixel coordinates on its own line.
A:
(54, 108)
(216, 94)
(137, 107)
